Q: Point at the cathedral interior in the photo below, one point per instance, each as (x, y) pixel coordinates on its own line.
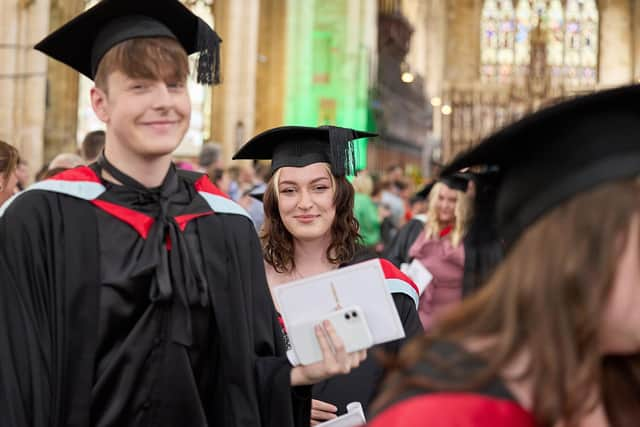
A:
(431, 77)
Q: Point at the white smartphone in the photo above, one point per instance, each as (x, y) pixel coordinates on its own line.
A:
(350, 324)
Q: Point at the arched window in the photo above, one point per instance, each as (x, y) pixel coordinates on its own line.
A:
(200, 125)
(571, 34)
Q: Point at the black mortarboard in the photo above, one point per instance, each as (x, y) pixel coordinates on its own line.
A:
(423, 193)
(300, 146)
(456, 181)
(551, 155)
(82, 42)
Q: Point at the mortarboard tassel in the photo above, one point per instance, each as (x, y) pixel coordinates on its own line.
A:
(208, 64)
(343, 158)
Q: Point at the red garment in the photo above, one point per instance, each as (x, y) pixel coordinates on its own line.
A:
(454, 410)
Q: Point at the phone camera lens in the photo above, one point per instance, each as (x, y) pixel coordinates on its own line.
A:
(354, 314)
(346, 316)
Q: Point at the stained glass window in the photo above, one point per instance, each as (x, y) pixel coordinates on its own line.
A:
(570, 31)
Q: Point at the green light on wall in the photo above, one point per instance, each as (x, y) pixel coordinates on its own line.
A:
(327, 75)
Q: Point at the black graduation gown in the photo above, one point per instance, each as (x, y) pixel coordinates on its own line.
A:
(361, 384)
(49, 305)
(398, 250)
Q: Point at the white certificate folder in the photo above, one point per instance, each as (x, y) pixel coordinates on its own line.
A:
(361, 285)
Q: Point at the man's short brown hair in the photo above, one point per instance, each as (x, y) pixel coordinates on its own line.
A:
(155, 58)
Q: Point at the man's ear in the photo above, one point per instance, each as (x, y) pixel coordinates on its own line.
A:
(99, 103)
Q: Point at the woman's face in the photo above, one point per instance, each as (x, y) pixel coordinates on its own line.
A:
(446, 205)
(7, 187)
(621, 322)
(306, 201)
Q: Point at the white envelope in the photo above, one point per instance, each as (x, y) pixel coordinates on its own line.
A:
(361, 285)
(418, 273)
(353, 418)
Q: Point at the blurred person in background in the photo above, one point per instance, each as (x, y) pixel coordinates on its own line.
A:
(440, 247)
(22, 173)
(9, 158)
(65, 161)
(365, 210)
(92, 145)
(397, 251)
(553, 338)
(210, 157)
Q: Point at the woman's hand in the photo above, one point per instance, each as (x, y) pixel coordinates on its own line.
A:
(336, 361)
(321, 412)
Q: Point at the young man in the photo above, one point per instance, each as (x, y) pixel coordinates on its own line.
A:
(133, 294)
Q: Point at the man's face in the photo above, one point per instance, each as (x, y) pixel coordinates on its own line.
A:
(147, 118)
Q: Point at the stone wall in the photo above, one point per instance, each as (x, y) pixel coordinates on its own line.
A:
(23, 76)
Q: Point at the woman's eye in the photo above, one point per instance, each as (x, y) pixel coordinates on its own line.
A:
(287, 190)
(321, 188)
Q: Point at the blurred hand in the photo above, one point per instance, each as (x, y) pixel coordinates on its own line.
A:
(335, 359)
(322, 411)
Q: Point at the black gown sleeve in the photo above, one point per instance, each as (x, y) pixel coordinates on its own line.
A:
(46, 355)
(256, 373)
(397, 252)
(279, 400)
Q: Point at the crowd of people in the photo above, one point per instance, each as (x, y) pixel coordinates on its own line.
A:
(138, 289)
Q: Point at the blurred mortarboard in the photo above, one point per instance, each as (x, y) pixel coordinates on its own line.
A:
(549, 156)
(456, 181)
(423, 193)
(300, 146)
(82, 42)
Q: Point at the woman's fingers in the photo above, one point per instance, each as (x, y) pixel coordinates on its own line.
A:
(322, 411)
(323, 406)
(325, 347)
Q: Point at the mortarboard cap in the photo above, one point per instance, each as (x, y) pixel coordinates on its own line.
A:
(553, 154)
(300, 146)
(456, 181)
(423, 193)
(82, 42)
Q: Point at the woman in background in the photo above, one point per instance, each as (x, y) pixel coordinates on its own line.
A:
(310, 229)
(553, 338)
(8, 163)
(439, 247)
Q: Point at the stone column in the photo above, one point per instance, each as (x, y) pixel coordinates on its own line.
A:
(463, 40)
(22, 76)
(616, 53)
(271, 65)
(635, 10)
(234, 99)
(10, 49)
(62, 106)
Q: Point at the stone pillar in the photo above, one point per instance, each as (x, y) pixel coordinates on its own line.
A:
(635, 10)
(272, 66)
(462, 62)
(22, 76)
(234, 99)
(616, 40)
(10, 49)
(62, 106)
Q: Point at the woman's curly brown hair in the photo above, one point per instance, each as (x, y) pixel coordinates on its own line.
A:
(277, 241)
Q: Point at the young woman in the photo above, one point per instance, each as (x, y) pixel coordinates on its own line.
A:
(8, 164)
(310, 229)
(439, 247)
(553, 339)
